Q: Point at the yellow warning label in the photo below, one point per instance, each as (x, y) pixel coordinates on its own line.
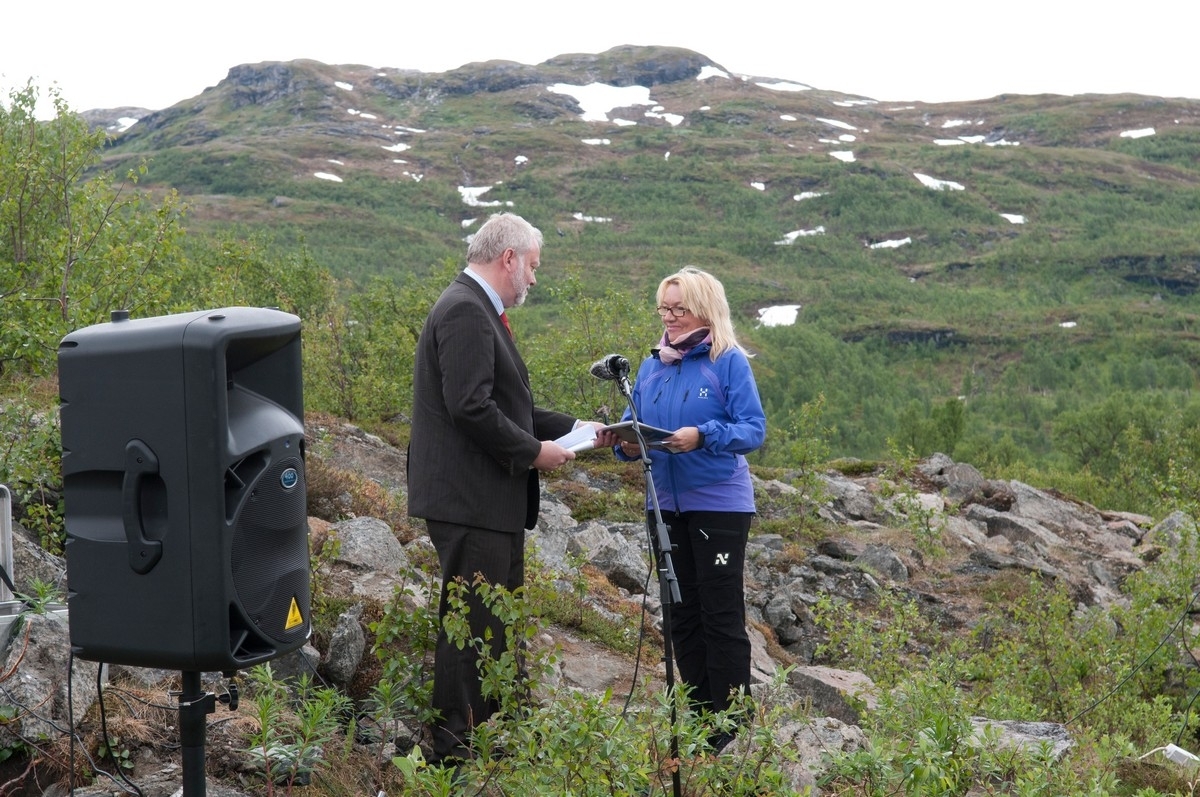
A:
(294, 617)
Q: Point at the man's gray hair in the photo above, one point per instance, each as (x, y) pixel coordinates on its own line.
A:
(503, 231)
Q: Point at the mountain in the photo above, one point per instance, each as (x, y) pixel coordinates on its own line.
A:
(733, 145)
(1025, 254)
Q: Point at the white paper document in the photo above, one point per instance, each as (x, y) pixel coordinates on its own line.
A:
(582, 438)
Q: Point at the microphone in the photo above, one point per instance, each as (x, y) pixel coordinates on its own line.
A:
(611, 366)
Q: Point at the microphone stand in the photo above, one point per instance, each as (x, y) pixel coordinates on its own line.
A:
(668, 584)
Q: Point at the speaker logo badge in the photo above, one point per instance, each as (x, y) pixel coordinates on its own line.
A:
(289, 478)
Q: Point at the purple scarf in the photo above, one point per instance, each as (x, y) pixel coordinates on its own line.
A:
(673, 351)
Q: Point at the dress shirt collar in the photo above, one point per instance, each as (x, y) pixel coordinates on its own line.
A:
(491, 292)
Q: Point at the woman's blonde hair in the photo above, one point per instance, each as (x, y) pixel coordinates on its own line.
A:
(704, 296)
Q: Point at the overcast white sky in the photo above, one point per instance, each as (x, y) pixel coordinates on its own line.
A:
(152, 55)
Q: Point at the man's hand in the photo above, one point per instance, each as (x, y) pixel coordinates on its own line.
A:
(552, 456)
(603, 439)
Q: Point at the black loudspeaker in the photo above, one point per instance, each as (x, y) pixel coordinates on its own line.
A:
(183, 479)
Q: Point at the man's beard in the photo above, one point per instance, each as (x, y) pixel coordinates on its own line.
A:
(520, 286)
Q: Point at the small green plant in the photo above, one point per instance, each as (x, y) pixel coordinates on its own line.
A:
(293, 732)
(324, 551)
(926, 523)
(41, 596)
(385, 707)
(509, 670)
(405, 637)
(112, 750)
(15, 747)
(900, 462)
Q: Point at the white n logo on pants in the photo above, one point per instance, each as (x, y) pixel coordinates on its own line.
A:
(722, 559)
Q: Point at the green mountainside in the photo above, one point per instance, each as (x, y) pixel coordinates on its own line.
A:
(974, 276)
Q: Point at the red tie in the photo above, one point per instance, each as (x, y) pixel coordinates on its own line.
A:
(508, 326)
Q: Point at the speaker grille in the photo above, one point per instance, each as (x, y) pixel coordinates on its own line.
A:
(270, 553)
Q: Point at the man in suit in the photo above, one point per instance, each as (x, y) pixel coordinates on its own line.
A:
(478, 444)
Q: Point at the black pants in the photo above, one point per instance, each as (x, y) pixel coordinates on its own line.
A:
(708, 626)
(458, 696)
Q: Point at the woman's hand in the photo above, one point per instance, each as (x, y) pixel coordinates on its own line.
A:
(685, 439)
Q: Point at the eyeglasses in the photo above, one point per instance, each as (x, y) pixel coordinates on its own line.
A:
(663, 310)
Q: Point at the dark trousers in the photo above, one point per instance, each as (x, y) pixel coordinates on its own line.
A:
(708, 626)
(464, 552)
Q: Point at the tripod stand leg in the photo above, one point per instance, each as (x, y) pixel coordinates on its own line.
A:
(668, 587)
(194, 705)
(669, 659)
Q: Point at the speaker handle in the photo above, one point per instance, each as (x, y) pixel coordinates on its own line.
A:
(140, 462)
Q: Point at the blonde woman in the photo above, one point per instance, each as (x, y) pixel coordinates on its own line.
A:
(698, 383)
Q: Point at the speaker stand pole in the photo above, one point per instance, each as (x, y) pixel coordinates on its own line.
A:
(668, 584)
(194, 705)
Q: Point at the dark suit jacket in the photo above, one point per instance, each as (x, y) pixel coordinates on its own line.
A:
(475, 431)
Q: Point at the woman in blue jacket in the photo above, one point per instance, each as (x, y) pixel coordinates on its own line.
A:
(698, 382)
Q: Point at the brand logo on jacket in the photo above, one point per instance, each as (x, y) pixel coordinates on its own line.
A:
(703, 393)
(722, 559)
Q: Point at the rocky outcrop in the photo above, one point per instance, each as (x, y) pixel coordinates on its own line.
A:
(1026, 528)
(636, 66)
(489, 77)
(260, 84)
